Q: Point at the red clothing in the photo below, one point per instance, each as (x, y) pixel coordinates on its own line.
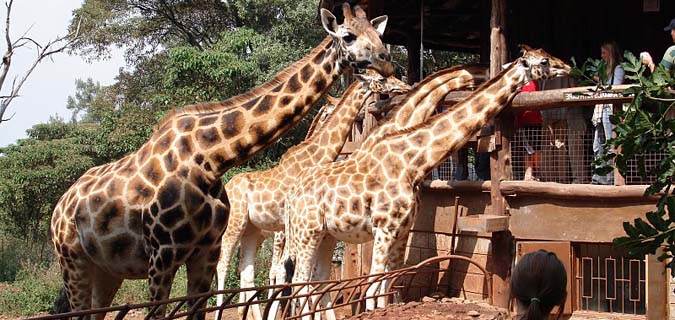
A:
(528, 117)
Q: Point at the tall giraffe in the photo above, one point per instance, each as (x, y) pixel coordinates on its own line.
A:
(372, 195)
(163, 206)
(256, 198)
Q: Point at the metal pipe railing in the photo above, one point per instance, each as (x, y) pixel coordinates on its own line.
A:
(350, 290)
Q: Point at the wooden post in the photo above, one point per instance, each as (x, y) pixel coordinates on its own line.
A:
(619, 180)
(502, 242)
(413, 48)
(657, 287)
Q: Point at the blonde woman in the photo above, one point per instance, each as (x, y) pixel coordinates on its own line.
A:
(609, 51)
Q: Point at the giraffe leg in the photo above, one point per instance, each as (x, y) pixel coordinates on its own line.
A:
(200, 269)
(277, 252)
(304, 263)
(235, 228)
(76, 277)
(250, 242)
(277, 270)
(160, 279)
(322, 272)
(105, 287)
(382, 245)
(394, 262)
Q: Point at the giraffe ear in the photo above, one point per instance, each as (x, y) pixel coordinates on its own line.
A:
(524, 48)
(380, 23)
(329, 22)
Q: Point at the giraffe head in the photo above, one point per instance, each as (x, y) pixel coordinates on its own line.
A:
(538, 64)
(357, 40)
(378, 84)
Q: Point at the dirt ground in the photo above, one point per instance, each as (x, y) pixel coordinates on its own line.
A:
(430, 308)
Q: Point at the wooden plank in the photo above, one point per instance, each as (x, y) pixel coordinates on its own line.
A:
(575, 191)
(546, 99)
(483, 223)
(458, 185)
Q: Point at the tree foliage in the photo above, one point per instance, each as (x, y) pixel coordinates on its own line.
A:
(36, 171)
(645, 127)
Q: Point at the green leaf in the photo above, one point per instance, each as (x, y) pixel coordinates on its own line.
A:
(644, 227)
(630, 230)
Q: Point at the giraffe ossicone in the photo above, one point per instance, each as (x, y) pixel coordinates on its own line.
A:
(163, 205)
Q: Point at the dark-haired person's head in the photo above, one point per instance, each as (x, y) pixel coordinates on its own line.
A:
(671, 28)
(538, 284)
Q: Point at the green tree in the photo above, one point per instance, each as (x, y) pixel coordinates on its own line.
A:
(36, 171)
(83, 104)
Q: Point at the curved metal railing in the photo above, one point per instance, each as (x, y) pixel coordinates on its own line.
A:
(343, 294)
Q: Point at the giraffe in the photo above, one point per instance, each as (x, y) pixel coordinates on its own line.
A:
(372, 195)
(256, 198)
(163, 206)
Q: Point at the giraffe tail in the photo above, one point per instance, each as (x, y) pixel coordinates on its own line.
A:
(61, 304)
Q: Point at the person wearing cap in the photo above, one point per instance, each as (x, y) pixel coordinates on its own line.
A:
(668, 60)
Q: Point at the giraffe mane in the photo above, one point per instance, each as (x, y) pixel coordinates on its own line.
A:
(280, 78)
(345, 95)
(332, 115)
(477, 92)
(317, 118)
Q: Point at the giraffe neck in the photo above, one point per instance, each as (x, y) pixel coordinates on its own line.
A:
(324, 145)
(421, 148)
(420, 104)
(218, 136)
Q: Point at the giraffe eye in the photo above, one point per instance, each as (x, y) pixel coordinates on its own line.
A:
(349, 38)
(544, 62)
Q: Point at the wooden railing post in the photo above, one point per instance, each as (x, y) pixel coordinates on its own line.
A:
(500, 168)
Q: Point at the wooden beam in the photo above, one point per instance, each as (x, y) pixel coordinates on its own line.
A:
(458, 185)
(546, 99)
(575, 191)
(500, 168)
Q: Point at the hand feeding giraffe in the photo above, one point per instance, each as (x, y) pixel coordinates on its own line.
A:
(256, 198)
(371, 195)
(163, 206)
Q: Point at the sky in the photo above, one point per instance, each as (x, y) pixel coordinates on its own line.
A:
(47, 89)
